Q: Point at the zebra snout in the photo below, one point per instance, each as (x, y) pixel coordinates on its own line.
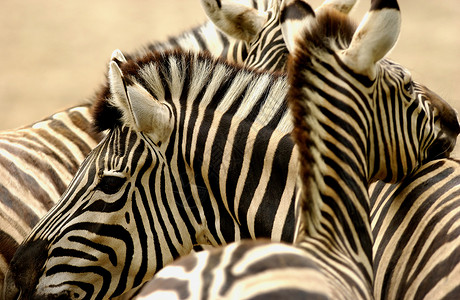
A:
(448, 115)
(451, 128)
(10, 291)
(25, 269)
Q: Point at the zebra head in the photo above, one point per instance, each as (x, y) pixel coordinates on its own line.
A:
(106, 188)
(258, 24)
(104, 185)
(350, 62)
(142, 197)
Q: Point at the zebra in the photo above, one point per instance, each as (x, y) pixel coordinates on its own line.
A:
(52, 164)
(182, 40)
(332, 256)
(417, 235)
(194, 108)
(386, 267)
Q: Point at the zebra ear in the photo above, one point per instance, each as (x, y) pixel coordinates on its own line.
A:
(374, 38)
(296, 16)
(117, 55)
(140, 110)
(344, 6)
(237, 20)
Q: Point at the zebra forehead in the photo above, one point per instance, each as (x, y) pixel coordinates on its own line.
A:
(333, 29)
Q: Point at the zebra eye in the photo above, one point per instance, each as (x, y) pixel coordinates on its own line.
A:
(110, 184)
(409, 87)
(408, 83)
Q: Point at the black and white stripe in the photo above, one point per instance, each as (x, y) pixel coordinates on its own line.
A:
(36, 172)
(37, 162)
(417, 234)
(222, 52)
(335, 127)
(147, 195)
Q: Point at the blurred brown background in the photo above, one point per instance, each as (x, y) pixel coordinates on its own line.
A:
(53, 53)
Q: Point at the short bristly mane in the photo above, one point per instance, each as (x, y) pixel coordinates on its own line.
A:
(333, 30)
(163, 72)
(105, 116)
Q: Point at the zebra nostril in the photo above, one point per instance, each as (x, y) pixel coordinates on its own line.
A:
(10, 291)
(456, 128)
(25, 269)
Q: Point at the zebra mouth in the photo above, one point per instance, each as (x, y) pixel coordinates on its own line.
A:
(10, 291)
(441, 148)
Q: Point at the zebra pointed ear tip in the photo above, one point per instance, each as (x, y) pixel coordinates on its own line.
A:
(117, 56)
(297, 16)
(211, 3)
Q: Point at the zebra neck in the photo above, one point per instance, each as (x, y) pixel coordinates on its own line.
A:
(334, 182)
(236, 163)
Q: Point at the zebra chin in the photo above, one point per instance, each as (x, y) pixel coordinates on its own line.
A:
(442, 147)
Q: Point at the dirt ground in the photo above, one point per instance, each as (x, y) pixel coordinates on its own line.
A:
(54, 53)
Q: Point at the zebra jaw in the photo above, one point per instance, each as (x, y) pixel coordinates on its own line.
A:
(139, 108)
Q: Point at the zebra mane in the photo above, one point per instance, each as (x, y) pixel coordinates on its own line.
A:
(167, 74)
(332, 31)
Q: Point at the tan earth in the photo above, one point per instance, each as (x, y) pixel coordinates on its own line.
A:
(53, 53)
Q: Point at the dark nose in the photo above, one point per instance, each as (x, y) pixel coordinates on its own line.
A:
(25, 269)
(10, 291)
(450, 127)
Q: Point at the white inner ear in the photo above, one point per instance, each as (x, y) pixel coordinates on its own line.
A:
(117, 54)
(235, 19)
(292, 29)
(343, 6)
(374, 38)
(150, 116)
(117, 86)
(139, 108)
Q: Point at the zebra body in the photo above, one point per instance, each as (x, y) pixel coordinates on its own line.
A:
(417, 234)
(262, 48)
(333, 257)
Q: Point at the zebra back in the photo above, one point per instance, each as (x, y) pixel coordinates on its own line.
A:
(416, 229)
